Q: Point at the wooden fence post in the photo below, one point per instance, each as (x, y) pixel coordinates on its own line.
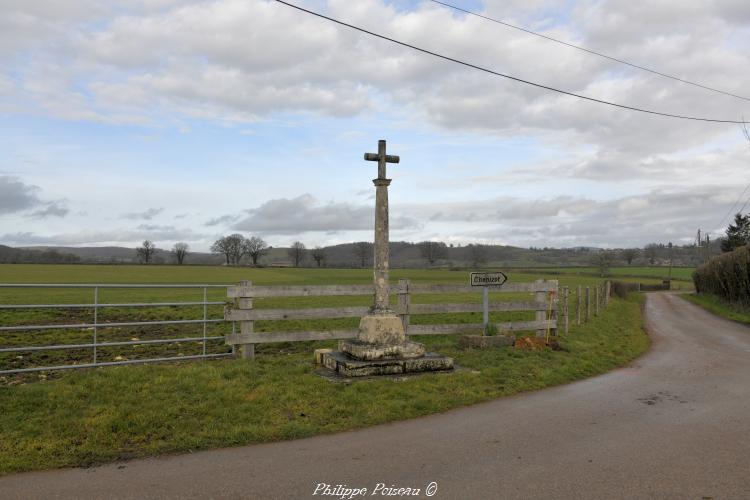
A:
(579, 303)
(404, 300)
(247, 351)
(554, 304)
(588, 304)
(607, 293)
(597, 298)
(540, 297)
(566, 323)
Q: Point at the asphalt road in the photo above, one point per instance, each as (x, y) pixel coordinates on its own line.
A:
(674, 424)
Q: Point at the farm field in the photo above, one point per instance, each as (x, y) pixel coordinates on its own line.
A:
(652, 272)
(82, 417)
(54, 273)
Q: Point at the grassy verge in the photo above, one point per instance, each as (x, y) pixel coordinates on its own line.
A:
(94, 416)
(719, 307)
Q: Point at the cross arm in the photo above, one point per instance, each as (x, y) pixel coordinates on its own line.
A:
(376, 157)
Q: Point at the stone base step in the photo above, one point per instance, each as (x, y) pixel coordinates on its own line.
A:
(344, 365)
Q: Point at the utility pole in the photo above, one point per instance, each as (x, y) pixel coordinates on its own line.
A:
(670, 262)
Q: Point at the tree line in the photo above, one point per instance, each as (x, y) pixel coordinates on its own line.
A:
(10, 255)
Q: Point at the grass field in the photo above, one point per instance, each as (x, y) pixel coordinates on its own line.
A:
(659, 272)
(720, 307)
(92, 416)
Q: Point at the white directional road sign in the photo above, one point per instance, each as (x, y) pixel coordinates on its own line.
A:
(487, 279)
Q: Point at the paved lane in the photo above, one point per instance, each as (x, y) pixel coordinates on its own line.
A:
(674, 424)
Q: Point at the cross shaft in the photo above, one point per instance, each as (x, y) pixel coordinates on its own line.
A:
(381, 247)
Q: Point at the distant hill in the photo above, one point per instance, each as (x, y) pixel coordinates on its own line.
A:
(46, 255)
(403, 254)
(127, 255)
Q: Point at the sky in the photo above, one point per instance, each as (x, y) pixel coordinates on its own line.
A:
(175, 120)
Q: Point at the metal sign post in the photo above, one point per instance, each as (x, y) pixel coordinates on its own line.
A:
(486, 280)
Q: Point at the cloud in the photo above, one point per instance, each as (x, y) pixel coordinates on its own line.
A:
(52, 209)
(139, 62)
(200, 60)
(658, 215)
(16, 196)
(94, 237)
(145, 215)
(223, 219)
(305, 214)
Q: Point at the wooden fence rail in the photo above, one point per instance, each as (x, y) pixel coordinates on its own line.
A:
(545, 306)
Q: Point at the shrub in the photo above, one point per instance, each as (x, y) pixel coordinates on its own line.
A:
(726, 276)
(621, 288)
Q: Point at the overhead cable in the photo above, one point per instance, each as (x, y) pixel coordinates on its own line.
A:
(503, 75)
(593, 52)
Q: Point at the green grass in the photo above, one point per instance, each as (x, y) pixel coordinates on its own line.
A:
(85, 417)
(196, 274)
(719, 307)
(651, 272)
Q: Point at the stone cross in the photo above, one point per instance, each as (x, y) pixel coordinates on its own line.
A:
(380, 274)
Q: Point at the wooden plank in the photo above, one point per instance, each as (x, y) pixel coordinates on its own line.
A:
(271, 337)
(542, 286)
(246, 351)
(541, 314)
(271, 314)
(235, 292)
(445, 329)
(404, 301)
(303, 336)
(300, 291)
(478, 327)
(493, 306)
(321, 290)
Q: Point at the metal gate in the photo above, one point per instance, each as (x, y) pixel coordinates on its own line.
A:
(96, 326)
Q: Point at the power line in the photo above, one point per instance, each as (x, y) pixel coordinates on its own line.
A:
(747, 136)
(593, 52)
(503, 75)
(735, 204)
(743, 206)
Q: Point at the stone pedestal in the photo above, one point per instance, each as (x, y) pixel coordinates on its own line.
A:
(381, 327)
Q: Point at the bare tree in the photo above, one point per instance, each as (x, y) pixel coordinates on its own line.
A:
(221, 246)
(319, 255)
(650, 252)
(478, 254)
(603, 261)
(231, 246)
(362, 252)
(255, 247)
(433, 250)
(297, 252)
(629, 254)
(180, 251)
(145, 252)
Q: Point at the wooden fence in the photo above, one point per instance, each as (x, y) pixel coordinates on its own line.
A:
(544, 304)
(586, 299)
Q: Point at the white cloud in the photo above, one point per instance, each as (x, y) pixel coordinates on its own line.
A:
(305, 214)
(147, 214)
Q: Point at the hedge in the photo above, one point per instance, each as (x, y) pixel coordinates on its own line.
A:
(727, 276)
